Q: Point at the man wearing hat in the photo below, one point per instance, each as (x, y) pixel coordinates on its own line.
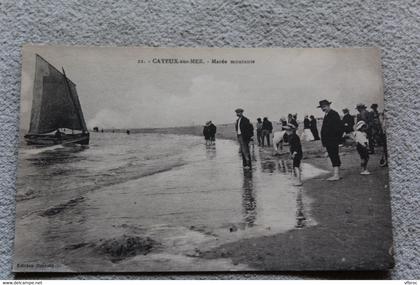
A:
(244, 132)
(348, 121)
(331, 136)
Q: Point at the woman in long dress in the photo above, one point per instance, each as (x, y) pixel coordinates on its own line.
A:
(307, 133)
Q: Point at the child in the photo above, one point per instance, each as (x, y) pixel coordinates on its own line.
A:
(295, 151)
(360, 136)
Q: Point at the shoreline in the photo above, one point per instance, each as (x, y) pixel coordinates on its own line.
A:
(349, 214)
(346, 222)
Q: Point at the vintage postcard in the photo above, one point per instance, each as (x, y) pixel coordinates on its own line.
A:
(212, 159)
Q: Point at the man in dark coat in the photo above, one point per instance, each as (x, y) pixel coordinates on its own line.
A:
(331, 136)
(244, 132)
(348, 121)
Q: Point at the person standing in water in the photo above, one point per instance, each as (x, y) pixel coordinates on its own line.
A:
(331, 136)
(212, 133)
(244, 133)
(267, 128)
(206, 132)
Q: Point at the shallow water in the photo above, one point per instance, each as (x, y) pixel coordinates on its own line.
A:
(172, 189)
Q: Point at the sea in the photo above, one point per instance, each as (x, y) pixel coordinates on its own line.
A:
(149, 202)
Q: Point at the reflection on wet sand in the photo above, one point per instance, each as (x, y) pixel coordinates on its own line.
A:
(300, 216)
(169, 192)
(248, 200)
(210, 151)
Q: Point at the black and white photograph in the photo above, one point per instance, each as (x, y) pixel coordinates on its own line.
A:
(202, 160)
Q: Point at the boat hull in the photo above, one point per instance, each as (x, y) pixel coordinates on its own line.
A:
(47, 140)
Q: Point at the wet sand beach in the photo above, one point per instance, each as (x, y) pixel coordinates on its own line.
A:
(158, 203)
(353, 229)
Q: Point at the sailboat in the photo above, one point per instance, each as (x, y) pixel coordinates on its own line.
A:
(56, 115)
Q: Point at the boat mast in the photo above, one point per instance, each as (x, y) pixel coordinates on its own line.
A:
(71, 98)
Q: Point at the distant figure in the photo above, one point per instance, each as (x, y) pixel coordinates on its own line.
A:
(212, 133)
(360, 136)
(295, 151)
(244, 132)
(128, 132)
(366, 117)
(314, 128)
(307, 133)
(348, 121)
(102, 130)
(267, 128)
(283, 122)
(259, 131)
(331, 136)
(292, 120)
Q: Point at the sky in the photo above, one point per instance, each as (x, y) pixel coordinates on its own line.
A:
(116, 91)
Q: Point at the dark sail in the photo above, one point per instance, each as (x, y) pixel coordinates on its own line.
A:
(55, 103)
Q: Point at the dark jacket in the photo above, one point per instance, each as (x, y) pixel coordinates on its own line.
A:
(206, 132)
(247, 129)
(306, 123)
(267, 125)
(332, 129)
(348, 123)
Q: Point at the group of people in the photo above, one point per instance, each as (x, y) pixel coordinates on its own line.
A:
(264, 130)
(366, 131)
(335, 130)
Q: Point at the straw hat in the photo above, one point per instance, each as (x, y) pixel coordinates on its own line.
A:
(359, 125)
